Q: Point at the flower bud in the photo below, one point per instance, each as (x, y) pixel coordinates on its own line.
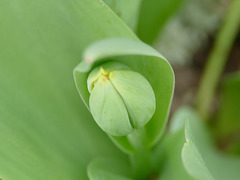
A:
(120, 99)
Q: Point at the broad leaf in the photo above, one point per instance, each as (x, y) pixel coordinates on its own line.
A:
(167, 155)
(127, 10)
(45, 130)
(153, 16)
(109, 169)
(228, 116)
(201, 159)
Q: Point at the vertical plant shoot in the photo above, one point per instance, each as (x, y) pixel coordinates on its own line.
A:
(120, 99)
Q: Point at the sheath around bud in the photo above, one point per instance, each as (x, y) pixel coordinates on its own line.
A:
(120, 99)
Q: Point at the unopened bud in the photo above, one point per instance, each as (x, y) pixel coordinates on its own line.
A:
(120, 99)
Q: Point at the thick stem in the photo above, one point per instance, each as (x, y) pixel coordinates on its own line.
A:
(217, 59)
(141, 158)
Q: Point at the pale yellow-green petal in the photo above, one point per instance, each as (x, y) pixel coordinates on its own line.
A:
(108, 109)
(137, 94)
(103, 69)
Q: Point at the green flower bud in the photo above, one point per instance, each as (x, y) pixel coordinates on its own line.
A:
(120, 99)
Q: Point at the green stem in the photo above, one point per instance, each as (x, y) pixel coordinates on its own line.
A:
(217, 59)
(141, 157)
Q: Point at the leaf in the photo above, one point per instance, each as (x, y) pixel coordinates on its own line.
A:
(45, 130)
(127, 10)
(201, 159)
(228, 116)
(153, 16)
(167, 155)
(140, 58)
(108, 169)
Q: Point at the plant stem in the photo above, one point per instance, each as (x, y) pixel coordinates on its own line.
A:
(141, 158)
(217, 59)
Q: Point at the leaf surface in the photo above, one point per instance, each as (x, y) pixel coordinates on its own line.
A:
(108, 169)
(201, 159)
(166, 156)
(228, 116)
(127, 10)
(153, 16)
(45, 130)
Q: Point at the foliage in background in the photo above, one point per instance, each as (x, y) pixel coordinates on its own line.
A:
(153, 16)
(189, 30)
(227, 118)
(200, 157)
(127, 10)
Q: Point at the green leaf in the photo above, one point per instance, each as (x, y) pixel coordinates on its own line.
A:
(153, 16)
(127, 10)
(108, 169)
(45, 130)
(140, 58)
(166, 156)
(201, 159)
(228, 116)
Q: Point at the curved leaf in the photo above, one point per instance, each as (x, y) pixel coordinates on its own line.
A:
(228, 116)
(166, 157)
(201, 159)
(153, 16)
(127, 10)
(108, 169)
(45, 130)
